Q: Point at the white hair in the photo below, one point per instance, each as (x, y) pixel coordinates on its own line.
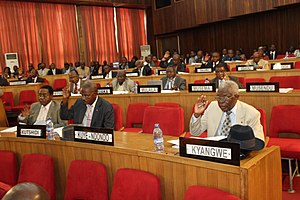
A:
(231, 86)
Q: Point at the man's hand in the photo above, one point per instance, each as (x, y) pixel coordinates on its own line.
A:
(66, 94)
(26, 111)
(200, 106)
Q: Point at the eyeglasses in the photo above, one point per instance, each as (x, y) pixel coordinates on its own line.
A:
(43, 95)
(223, 99)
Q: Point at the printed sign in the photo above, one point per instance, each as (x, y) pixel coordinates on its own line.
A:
(262, 87)
(17, 83)
(203, 69)
(281, 66)
(149, 89)
(99, 76)
(202, 87)
(245, 68)
(105, 90)
(162, 72)
(132, 74)
(31, 131)
(57, 93)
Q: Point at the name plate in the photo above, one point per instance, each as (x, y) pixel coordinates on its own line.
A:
(149, 89)
(31, 131)
(282, 66)
(245, 68)
(132, 74)
(202, 87)
(58, 93)
(215, 151)
(262, 87)
(105, 90)
(99, 76)
(17, 83)
(203, 69)
(162, 72)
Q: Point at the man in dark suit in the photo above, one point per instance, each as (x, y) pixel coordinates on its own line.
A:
(34, 77)
(221, 76)
(176, 62)
(141, 69)
(3, 81)
(231, 56)
(272, 54)
(215, 60)
(90, 110)
(171, 81)
(53, 70)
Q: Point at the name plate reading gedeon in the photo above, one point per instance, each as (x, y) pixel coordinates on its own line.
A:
(245, 68)
(262, 87)
(203, 69)
(215, 151)
(202, 87)
(94, 135)
(17, 83)
(31, 131)
(149, 89)
(105, 90)
(99, 76)
(162, 72)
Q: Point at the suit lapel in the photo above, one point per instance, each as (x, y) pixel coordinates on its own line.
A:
(51, 110)
(96, 111)
(239, 115)
(36, 114)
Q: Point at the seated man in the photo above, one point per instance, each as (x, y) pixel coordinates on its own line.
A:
(176, 62)
(218, 116)
(90, 110)
(67, 68)
(122, 83)
(231, 56)
(40, 111)
(83, 71)
(75, 82)
(171, 81)
(42, 70)
(141, 69)
(221, 76)
(107, 73)
(53, 70)
(34, 77)
(258, 62)
(215, 60)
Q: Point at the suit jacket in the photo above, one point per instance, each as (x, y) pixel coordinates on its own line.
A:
(211, 64)
(63, 71)
(3, 81)
(53, 113)
(262, 64)
(45, 71)
(180, 83)
(147, 71)
(72, 85)
(234, 58)
(38, 80)
(83, 72)
(128, 85)
(245, 115)
(103, 115)
(232, 78)
(270, 56)
(57, 71)
(180, 67)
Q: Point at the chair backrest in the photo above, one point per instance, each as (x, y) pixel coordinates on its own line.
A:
(297, 65)
(280, 56)
(118, 117)
(27, 97)
(199, 81)
(287, 81)
(263, 120)
(284, 119)
(8, 167)
(135, 113)
(254, 80)
(86, 180)
(59, 84)
(45, 82)
(39, 169)
(207, 193)
(135, 184)
(171, 120)
(187, 70)
(8, 99)
(167, 104)
(242, 81)
(3, 118)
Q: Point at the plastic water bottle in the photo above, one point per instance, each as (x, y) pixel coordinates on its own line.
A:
(286, 54)
(158, 139)
(135, 89)
(49, 129)
(206, 81)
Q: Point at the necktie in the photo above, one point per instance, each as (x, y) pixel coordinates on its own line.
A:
(226, 124)
(75, 88)
(89, 115)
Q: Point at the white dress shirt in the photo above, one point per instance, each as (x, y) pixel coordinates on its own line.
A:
(42, 116)
(86, 115)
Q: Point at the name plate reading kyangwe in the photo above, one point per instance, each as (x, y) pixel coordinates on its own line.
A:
(31, 131)
(99, 76)
(215, 151)
(245, 68)
(105, 90)
(149, 89)
(57, 93)
(262, 87)
(17, 83)
(162, 72)
(202, 87)
(203, 69)
(132, 74)
(280, 66)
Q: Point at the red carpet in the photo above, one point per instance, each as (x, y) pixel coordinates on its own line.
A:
(285, 186)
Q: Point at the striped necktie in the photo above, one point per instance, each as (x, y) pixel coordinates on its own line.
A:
(226, 124)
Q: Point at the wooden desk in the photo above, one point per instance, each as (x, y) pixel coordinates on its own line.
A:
(258, 177)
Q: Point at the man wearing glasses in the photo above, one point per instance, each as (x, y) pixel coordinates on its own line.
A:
(38, 112)
(217, 117)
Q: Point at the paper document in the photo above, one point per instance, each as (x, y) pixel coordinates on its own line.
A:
(169, 91)
(215, 138)
(120, 92)
(59, 131)
(10, 129)
(285, 90)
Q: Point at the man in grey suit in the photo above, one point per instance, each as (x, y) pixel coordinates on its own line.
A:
(222, 76)
(171, 81)
(217, 117)
(90, 110)
(45, 108)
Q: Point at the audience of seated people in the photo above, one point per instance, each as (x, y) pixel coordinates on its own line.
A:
(171, 81)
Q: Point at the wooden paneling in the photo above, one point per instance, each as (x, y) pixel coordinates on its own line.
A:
(278, 3)
(185, 14)
(210, 11)
(237, 7)
(164, 20)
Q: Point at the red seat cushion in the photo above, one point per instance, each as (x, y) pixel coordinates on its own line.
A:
(289, 147)
(8, 167)
(3, 189)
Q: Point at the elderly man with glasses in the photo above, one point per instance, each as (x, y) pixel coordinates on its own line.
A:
(218, 116)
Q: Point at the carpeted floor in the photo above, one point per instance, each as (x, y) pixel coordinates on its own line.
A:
(285, 186)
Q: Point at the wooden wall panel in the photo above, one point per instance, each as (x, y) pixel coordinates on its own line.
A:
(185, 14)
(238, 7)
(164, 20)
(278, 3)
(210, 11)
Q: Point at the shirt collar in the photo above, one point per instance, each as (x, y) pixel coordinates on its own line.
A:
(47, 106)
(94, 104)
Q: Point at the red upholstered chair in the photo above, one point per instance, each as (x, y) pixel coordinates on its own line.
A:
(86, 180)
(59, 84)
(8, 100)
(254, 80)
(98, 85)
(242, 81)
(39, 169)
(167, 104)
(171, 120)
(135, 184)
(199, 81)
(207, 193)
(297, 65)
(285, 119)
(8, 171)
(187, 70)
(26, 97)
(118, 117)
(46, 82)
(263, 119)
(287, 81)
(135, 115)
(280, 56)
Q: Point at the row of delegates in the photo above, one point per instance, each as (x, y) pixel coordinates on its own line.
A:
(150, 60)
(175, 61)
